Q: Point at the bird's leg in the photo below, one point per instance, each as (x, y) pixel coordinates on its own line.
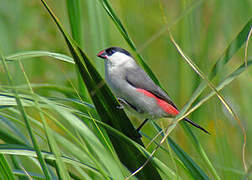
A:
(141, 125)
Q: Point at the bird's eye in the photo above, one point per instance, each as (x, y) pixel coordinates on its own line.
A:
(110, 51)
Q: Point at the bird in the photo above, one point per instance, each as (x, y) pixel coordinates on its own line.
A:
(135, 90)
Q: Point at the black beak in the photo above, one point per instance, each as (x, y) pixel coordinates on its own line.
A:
(102, 54)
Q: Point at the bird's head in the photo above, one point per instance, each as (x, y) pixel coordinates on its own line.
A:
(115, 56)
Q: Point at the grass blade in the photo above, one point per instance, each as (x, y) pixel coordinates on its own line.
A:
(5, 169)
(194, 169)
(61, 168)
(188, 162)
(34, 54)
(75, 20)
(233, 47)
(21, 108)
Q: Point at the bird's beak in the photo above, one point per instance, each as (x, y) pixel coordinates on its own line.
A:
(102, 54)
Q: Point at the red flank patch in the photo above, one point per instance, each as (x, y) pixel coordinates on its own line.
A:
(163, 104)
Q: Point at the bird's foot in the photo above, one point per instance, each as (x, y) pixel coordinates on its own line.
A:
(139, 135)
(119, 107)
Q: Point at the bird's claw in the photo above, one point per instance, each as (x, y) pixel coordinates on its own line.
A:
(119, 107)
(139, 135)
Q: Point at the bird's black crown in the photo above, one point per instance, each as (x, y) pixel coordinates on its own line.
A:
(113, 50)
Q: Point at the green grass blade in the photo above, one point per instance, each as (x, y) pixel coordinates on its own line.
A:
(188, 162)
(61, 168)
(7, 124)
(24, 151)
(233, 47)
(10, 137)
(194, 169)
(69, 92)
(5, 169)
(21, 173)
(200, 150)
(21, 108)
(98, 30)
(106, 106)
(34, 54)
(75, 20)
(64, 144)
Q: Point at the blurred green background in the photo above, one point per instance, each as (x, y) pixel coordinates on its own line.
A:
(202, 28)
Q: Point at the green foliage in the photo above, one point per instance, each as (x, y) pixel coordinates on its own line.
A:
(55, 124)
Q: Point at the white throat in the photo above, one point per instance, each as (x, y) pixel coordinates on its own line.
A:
(119, 59)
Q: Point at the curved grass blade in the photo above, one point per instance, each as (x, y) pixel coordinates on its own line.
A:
(233, 47)
(75, 20)
(188, 162)
(5, 169)
(93, 147)
(218, 94)
(34, 54)
(38, 125)
(61, 168)
(194, 169)
(50, 87)
(63, 109)
(22, 111)
(7, 124)
(65, 144)
(246, 46)
(106, 106)
(21, 173)
(24, 151)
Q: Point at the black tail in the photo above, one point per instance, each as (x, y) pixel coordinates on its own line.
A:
(196, 125)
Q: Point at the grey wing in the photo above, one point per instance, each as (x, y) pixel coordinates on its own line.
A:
(138, 78)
